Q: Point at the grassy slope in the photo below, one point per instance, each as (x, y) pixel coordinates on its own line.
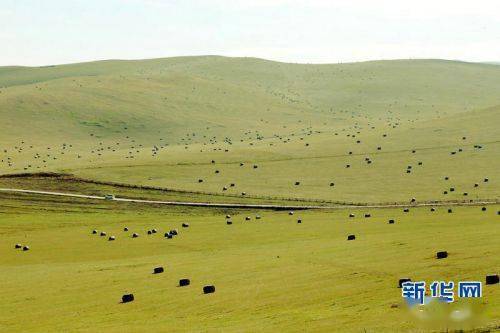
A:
(271, 275)
(195, 104)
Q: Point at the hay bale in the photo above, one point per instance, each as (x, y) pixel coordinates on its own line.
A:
(168, 235)
(367, 215)
(228, 216)
(94, 231)
(450, 210)
(111, 238)
(255, 166)
(247, 218)
(351, 237)
(18, 246)
(483, 209)
(26, 248)
(441, 255)
(257, 217)
(446, 178)
(492, 279)
(158, 270)
(154, 231)
(125, 229)
(445, 192)
(135, 235)
(406, 210)
(185, 225)
(229, 222)
(200, 180)
(465, 194)
(208, 289)
(452, 189)
(149, 232)
(391, 221)
(486, 180)
(299, 221)
(184, 282)
(348, 166)
(290, 213)
(351, 215)
(127, 298)
(476, 185)
(433, 209)
(403, 280)
(297, 183)
(103, 233)
(332, 184)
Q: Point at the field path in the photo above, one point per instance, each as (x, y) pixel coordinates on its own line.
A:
(238, 205)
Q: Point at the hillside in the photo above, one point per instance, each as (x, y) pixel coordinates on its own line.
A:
(161, 122)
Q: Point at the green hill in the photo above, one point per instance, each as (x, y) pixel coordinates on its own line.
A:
(161, 122)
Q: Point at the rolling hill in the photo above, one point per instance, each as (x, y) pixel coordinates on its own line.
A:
(162, 122)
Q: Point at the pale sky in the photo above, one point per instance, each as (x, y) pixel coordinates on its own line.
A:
(308, 31)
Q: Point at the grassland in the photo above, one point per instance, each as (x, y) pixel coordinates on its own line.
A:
(271, 274)
(244, 130)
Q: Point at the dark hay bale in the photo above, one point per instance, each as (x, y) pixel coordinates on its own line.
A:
(247, 218)
(486, 180)
(332, 184)
(403, 280)
(158, 270)
(184, 282)
(217, 171)
(149, 232)
(413, 200)
(465, 194)
(452, 189)
(445, 192)
(420, 163)
(406, 210)
(103, 233)
(351, 237)
(241, 164)
(135, 235)
(127, 298)
(446, 178)
(433, 209)
(174, 232)
(391, 221)
(441, 255)
(476, 185)
(413, 151)
(232, 185)
(351, 215)
(200, 180)
(368, 215)
(125, 229)
(229, 222)
(492, 279)
(408, 171)
(18, 246)
(255, 166)
(297, 183)
(348, 166)
(299, 221)
(208, 289)
(111, 238)
(94, 231)
(224, 188)
(450, 210)
(185, 225)
(483, 209)
(26, 248)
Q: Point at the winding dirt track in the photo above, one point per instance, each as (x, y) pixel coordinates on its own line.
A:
(238, 205)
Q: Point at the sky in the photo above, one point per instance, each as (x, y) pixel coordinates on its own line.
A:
(45, 32)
